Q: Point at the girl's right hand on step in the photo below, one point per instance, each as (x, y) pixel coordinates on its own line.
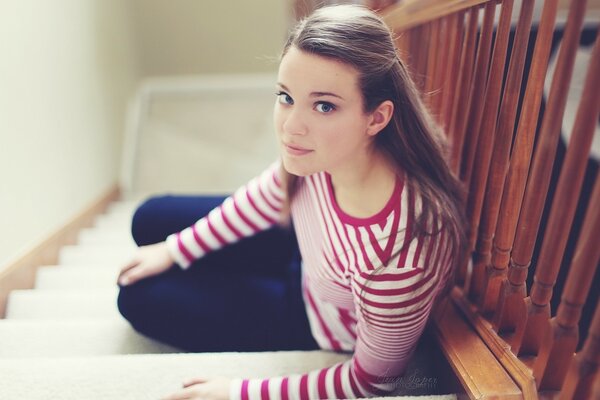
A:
(148, 261)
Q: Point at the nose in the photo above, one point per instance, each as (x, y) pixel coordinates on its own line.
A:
(293, 123)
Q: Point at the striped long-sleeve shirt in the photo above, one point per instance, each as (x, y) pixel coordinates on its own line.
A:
(368, 285)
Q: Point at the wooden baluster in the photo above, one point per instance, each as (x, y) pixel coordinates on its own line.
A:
(486, 207)
(440, 69)
(585, 365)
(528, 331)
(475, 126)
(560, 342)
(432, 63)
(459, 111)
(456, 39)
(422, 53)
(475, 102)
(472, 123)
(483, 155)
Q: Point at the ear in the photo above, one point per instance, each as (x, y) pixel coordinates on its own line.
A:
(380, 117)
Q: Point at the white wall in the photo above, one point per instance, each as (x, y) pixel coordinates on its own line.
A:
(67, 68)
(189, 37)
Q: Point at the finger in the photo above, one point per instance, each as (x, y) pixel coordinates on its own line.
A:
(132, 275)
(182, 395)
(131, 264)
(193, 381)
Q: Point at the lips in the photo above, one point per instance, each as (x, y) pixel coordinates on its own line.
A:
(296, 150)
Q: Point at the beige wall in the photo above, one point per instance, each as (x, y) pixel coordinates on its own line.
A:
(66, 70)
(183, 37)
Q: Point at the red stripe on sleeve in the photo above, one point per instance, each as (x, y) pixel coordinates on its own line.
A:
(199, 240)
(322, 388)
(337, 382)
(216, 234)
(304, 387)
(258, 210)
(284, 389)
(264, 197)
(244, 218)
(188, 256)
(245, 395)
(354, 386)
(264, 390)
(233, 229)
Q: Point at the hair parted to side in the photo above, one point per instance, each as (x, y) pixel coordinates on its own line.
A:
(356, 36)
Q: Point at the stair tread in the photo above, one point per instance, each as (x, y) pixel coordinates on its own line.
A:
(151, 376)
(77, 276)
(61, 304)
(62, 338)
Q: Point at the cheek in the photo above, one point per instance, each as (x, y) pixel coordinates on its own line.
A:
(279, 115)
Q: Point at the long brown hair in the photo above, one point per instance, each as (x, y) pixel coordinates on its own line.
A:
(357, 37)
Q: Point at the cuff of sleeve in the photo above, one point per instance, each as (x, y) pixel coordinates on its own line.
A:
(173, 246)
(235, 389)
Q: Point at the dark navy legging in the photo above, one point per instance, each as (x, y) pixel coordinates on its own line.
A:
(243, 297)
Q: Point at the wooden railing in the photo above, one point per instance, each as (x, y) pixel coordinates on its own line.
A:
(503, 149)
(483, 79)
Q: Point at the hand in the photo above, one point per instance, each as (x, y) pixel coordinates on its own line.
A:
(148, 261)
(203, 389)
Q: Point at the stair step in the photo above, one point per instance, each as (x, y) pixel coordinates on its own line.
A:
(77, 277)
(141, 376)
(58, 304)
(96, 254)
(117, 377)
(96, 236)
(119, 221)
(72, 338)
(123, 206)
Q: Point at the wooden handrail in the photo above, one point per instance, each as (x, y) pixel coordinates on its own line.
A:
(410, 13)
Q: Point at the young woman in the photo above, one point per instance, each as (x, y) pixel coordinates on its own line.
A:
(376, 218)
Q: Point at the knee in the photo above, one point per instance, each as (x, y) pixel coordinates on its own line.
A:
(130, 303)
(126, 304)
(144, 219)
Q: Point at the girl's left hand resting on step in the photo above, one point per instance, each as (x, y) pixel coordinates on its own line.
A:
(203, 389)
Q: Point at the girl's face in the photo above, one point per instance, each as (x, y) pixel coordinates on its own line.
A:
(319, 117)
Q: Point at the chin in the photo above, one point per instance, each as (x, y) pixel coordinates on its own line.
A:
(297, 168)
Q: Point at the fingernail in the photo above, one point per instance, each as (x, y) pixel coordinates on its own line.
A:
(124, 281)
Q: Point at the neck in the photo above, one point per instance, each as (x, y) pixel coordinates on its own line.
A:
(364, 187)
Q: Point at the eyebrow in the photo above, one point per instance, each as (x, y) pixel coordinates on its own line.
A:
(314, 94)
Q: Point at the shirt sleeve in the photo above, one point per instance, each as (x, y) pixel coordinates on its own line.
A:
(253, 208)
(392, 305)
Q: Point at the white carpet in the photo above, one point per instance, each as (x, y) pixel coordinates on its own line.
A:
(148, 376)
(66, 339)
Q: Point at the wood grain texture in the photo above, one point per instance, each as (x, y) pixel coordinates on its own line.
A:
(410, 13)
(480, 373)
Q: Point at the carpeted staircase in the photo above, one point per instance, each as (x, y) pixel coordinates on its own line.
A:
(66, 339)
